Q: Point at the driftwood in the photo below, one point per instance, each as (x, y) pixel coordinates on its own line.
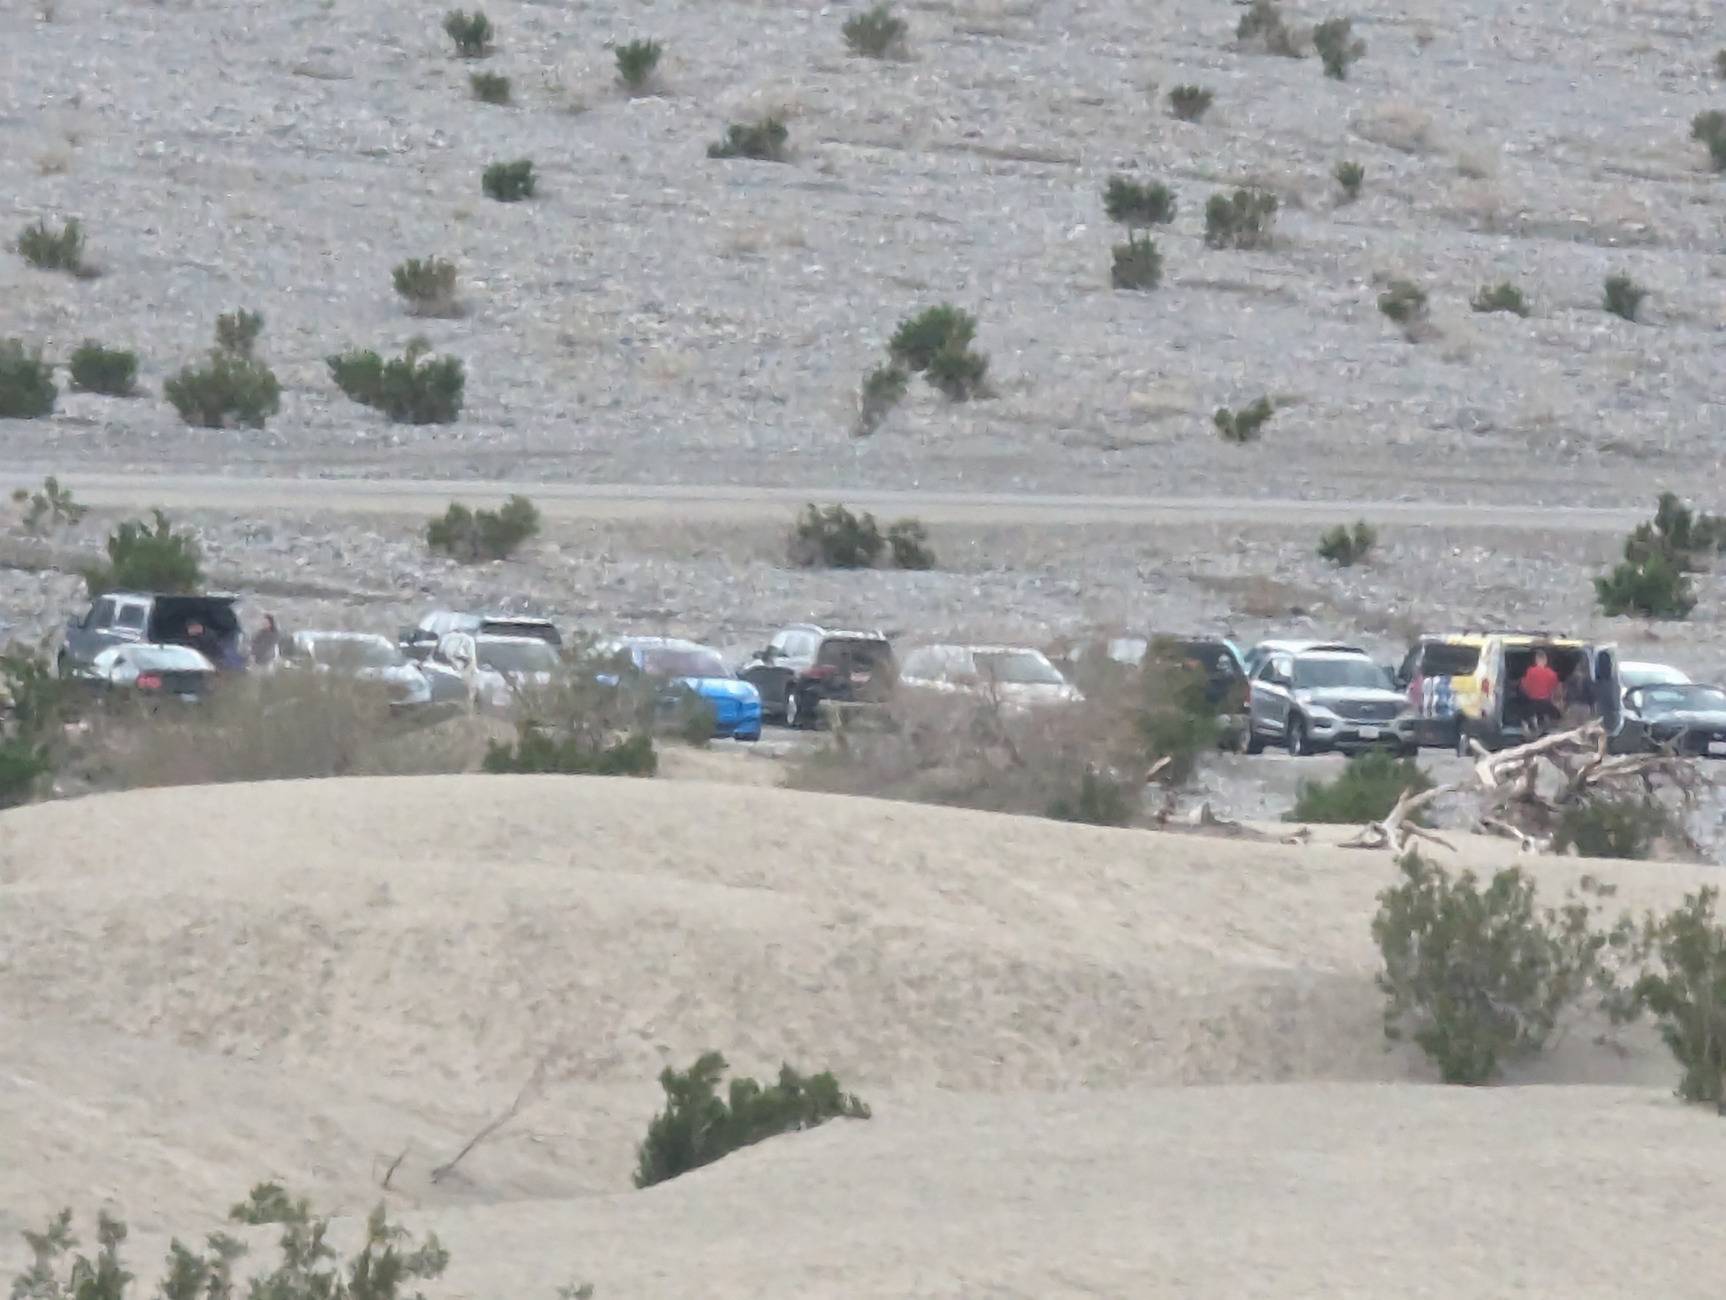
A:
(529, 1092)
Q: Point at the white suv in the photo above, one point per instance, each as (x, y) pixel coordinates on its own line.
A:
(1316, 700)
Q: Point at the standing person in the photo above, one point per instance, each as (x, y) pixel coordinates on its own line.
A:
(1539, 687)
(266, 642)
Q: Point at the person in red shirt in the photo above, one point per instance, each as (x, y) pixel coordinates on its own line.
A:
(1539, 687)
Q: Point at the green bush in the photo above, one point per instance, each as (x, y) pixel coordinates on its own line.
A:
(1651, 581)
(1344, 547)
(145, 558)
(1097, 800)
(908, 544)
(237, 332)
(1243, 219)
(937, 343)
(1678, 533)
(1364, 791)
(1478, 976)
(1655, 588)
(1243, 425)
(472, 33)
(1503, 296)
(509, 182)
(1348, 176)
(1138, 206)
(763, 140)
(875, 33)
(49, 507)
(1262, 25)
(1136, 265)
(27, 390)
(110, 371)
(535, 751)
(1688, 994)
(1176, 718)
(22, 767)
(1710, 129)
(1405, 303)
(883, 389)
(231, 388)
(834, 538)
(1611, 828)
(1336, 46)
(269, 1203)
(698, 1126)
(428, 285)
(490, 88)
(636, 64)
(1623, 296)
(1189, 103)
(409, 389)
(472, 536)
(50, 250)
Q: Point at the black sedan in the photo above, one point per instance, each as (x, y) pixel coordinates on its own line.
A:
(1684, 719)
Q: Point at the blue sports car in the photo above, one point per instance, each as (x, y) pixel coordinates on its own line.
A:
(688, 666)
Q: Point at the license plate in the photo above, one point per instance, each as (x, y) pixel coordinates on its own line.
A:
(1369, 733)
(1717, 746)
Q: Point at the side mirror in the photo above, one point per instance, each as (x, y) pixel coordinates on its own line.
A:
(767, 654)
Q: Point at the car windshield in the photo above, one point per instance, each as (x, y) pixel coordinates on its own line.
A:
(517, 656)
(682, 661)
(1319, 674)
(1655, 700)
(1651, 674)
(352, 652)
(1017, 667)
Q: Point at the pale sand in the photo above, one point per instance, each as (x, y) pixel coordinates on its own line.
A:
(204, 987)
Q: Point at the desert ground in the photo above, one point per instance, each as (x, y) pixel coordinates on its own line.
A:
(1101, 1062)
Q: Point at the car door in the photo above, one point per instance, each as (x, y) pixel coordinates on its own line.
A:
(129, 619)
(447, 677)
(774, 672)
(1270, 695)
(89, 637)
(1608, 689)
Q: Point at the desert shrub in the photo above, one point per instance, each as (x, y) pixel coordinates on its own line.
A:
(1710, 129)
(490, 87)
(1176, 719)
(226, 390)
(908, 545)
(48, 507)
(1623, 296)
(1365, 790)
(27, 389)
(237, 332)
(1243, 425)
(269, 1203)
(1343, 546)
(1136, 265)
(937, 343)
(1138, 206)
(1189, 103)
(1503, 296)
(49, 250)
(1243, 219)
(636, 63)
(1653, 588)
(1098, 799)
(883, 389)
(698, 1126)
(428, 285)
(1262, 25)
(1348, 176)
(142, 557)
(763, 140)
(472, 33)
(23, 764)
(509, 182)
(876, 33)
(1680, 534)
(1687, 994)
(834, 538)
(472, 536)
(536, 751)
(1337, 46)
(1624, 827)
(1405, 303)
(409, 389)
(1478, 976)
(110, 371)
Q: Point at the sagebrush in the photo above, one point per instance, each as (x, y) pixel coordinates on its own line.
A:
(1364, 791)
(1263, 26)
(472, 33)
(490, 87)
(1503, 296)
(428, 285)
(1348, 176)
(413, 388)
(27, 388)
(1709, 129)
(1189, 103)
(1244, 219)
(48, 249)
(637, 61)
(49, 507)
(153, 557)
(1624, 827)
(112, 372)
(233, 387)
(1337, 46)
(1245, 424)
(936, 343)
(764, 140)
(473, 536)
(1344, 546)
(883, 388)
(509, 182)
(876, 33)
(1624, 297)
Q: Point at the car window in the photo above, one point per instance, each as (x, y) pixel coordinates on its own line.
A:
(103, 614)
(1271, 669)
(517, 656)
(1018, 668)
(853, 653)
(1320, 674)
(682, 661)
(1446, 659)
(130, 617)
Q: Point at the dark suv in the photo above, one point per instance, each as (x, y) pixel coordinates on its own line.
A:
(208, 624)
(805, 666)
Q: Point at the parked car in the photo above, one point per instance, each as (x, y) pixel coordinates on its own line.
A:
(150, 673)
(1679, 716)
(361, 657)
(420, 640)
(1019, 677)
(207, 624)
(1254, 659)
(687, 667)
(1463, 685)
(1320, 699)
(805, 666)
(485, 673)
(1632, 674)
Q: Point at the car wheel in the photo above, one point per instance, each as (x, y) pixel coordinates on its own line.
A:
(793, 708)
(1298, 746)
(1255, 743)
(1408, 749)
(1462, 749)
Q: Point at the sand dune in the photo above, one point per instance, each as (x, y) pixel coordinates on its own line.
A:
(206, 986)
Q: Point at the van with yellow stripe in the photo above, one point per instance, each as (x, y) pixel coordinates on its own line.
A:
(1465, 686)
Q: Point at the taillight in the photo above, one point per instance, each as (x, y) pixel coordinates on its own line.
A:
(150, 682)
(1486, 686)
(819, 672)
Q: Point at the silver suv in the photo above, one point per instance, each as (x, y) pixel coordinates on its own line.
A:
(1321, 699)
